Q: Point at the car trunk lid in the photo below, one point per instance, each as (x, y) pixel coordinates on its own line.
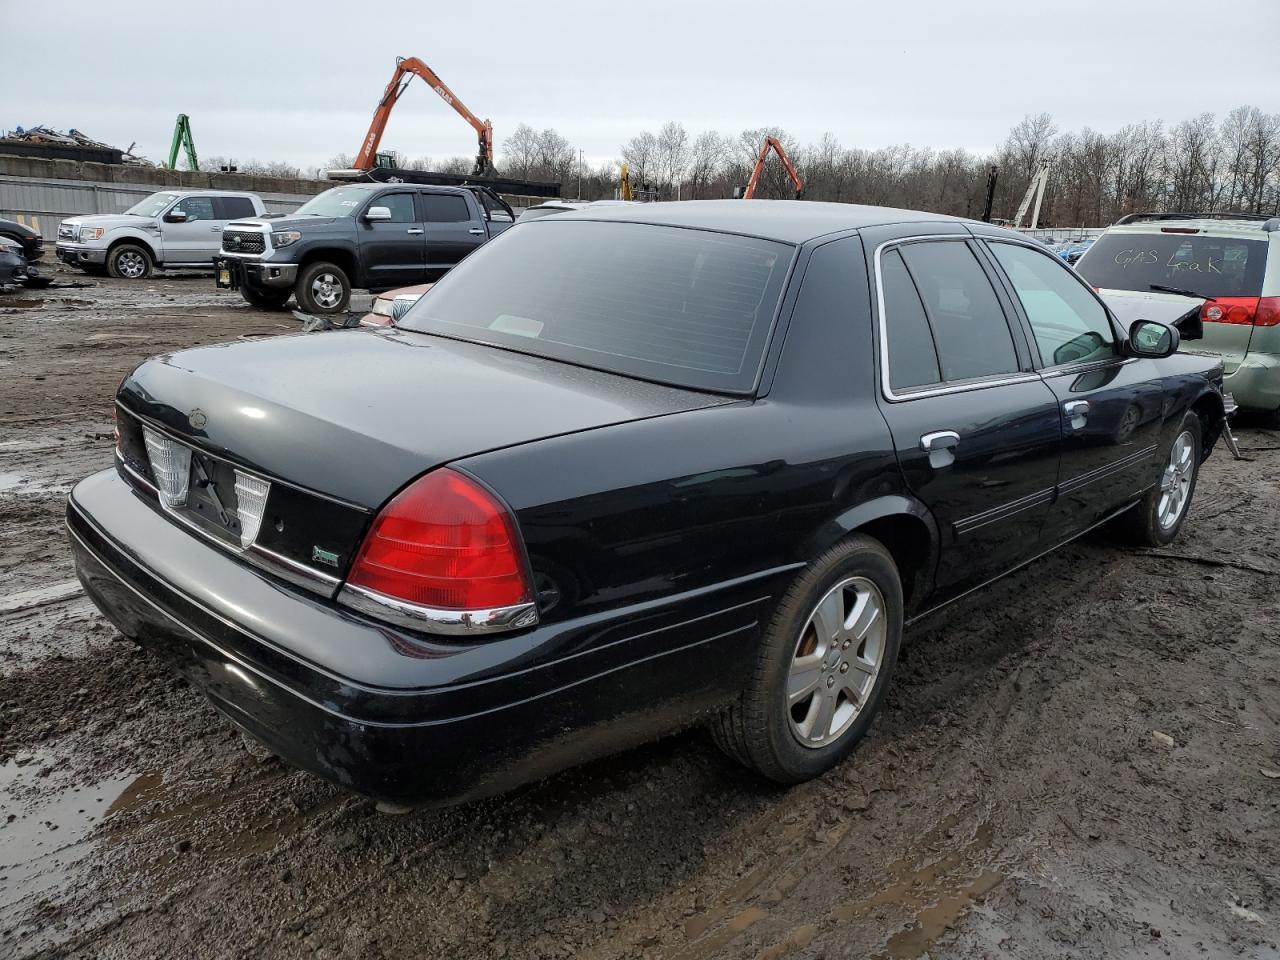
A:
(315, 432)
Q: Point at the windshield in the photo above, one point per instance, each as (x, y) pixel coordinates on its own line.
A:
(338, 202)
(685, 307)
(1210, 266)
(153, 205)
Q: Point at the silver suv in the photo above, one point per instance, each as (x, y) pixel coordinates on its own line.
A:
(173, 228)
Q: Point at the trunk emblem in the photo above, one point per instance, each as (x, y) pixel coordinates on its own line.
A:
(320, 555)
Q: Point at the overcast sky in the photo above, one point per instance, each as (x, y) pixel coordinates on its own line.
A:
(298, 82)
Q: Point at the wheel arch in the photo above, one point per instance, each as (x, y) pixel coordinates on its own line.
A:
(903, 525)
(338, 256)
(138, 241)
(1208, 406)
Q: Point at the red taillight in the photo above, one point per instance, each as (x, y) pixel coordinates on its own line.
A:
(1259, 311)
(1179, 230)
(446, 543)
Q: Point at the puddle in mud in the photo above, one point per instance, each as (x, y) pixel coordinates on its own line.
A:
(936, 919)
(16, 483)
(45, 824)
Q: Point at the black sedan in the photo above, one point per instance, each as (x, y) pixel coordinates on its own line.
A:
(623, 470)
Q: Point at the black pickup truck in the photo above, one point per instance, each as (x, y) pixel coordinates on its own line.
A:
(370, 235)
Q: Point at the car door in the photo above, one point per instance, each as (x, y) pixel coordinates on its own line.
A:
(976, 430)
(1111, 406)
(454, 229)
(393, 251)
(196, 239)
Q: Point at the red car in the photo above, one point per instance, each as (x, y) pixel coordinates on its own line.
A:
(391, 306)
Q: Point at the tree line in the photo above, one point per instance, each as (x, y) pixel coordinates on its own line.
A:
(1199, 164)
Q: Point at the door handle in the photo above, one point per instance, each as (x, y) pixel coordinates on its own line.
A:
(940, 446)
(414, 230)
(478, 231)
(216, 229)
(1077, 412)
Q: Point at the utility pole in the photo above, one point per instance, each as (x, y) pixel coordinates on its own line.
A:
(991, 192)
(579, 174)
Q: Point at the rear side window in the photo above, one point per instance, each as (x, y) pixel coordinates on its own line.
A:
(1210, 266)
(687, 307)
(913, 360)
(446, 208)
(235, 208)
(1070, 326)
(967, 321)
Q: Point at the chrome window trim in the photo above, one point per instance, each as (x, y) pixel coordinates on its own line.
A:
(882, 335)
(430, 620)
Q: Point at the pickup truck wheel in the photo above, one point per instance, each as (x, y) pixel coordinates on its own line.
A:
(823, 668)
(1156, 519)
(323, 288)
(266, 299)
(129, 262)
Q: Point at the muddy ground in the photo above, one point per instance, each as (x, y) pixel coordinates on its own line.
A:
(1082, 762)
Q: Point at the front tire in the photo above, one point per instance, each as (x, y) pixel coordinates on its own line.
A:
(129, 262)
(265, 299)
(825, 663)
(323, 288)
(1158, 517)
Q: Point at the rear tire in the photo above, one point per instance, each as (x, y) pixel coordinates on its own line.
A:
(266, 299)
(826, 660)
(1157, 518)
(323, 288)
(129, 262)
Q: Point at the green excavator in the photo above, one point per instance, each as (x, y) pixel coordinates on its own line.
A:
(182, 138)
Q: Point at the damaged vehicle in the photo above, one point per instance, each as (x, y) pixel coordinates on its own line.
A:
(624, 470)
(14, 268)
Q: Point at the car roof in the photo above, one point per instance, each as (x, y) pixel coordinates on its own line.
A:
(1210, 226)
(789, 221)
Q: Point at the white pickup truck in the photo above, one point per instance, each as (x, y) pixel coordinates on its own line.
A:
(173, 228)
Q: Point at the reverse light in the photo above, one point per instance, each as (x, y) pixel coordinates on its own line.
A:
(448, 547)
(382, 306)
(1258, 311)
(284, 238)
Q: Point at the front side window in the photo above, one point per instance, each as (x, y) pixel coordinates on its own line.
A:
(400, 205)
(968, 324)
(196, 208)
(1069, 325)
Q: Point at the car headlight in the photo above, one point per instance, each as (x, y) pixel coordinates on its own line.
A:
(284, 238)
(91, 233)
(382, 307)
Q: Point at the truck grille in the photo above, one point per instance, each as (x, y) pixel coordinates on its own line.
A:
(243, 241)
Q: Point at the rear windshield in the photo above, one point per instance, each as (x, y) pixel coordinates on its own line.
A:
(1210, 266)
(686, 307)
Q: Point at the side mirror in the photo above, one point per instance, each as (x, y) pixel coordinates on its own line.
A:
(1147, 338)
(1189, 325)
(378, 214)
(176, 216)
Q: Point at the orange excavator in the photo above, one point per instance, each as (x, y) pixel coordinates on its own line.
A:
(772, 143)
(406, 69)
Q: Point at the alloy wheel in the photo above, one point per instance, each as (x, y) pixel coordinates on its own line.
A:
(1175, 482)
(837, 659)
(131, 265)
(326, 290)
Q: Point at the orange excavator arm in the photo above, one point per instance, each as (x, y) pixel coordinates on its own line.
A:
(772, 143)
(406, 69)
